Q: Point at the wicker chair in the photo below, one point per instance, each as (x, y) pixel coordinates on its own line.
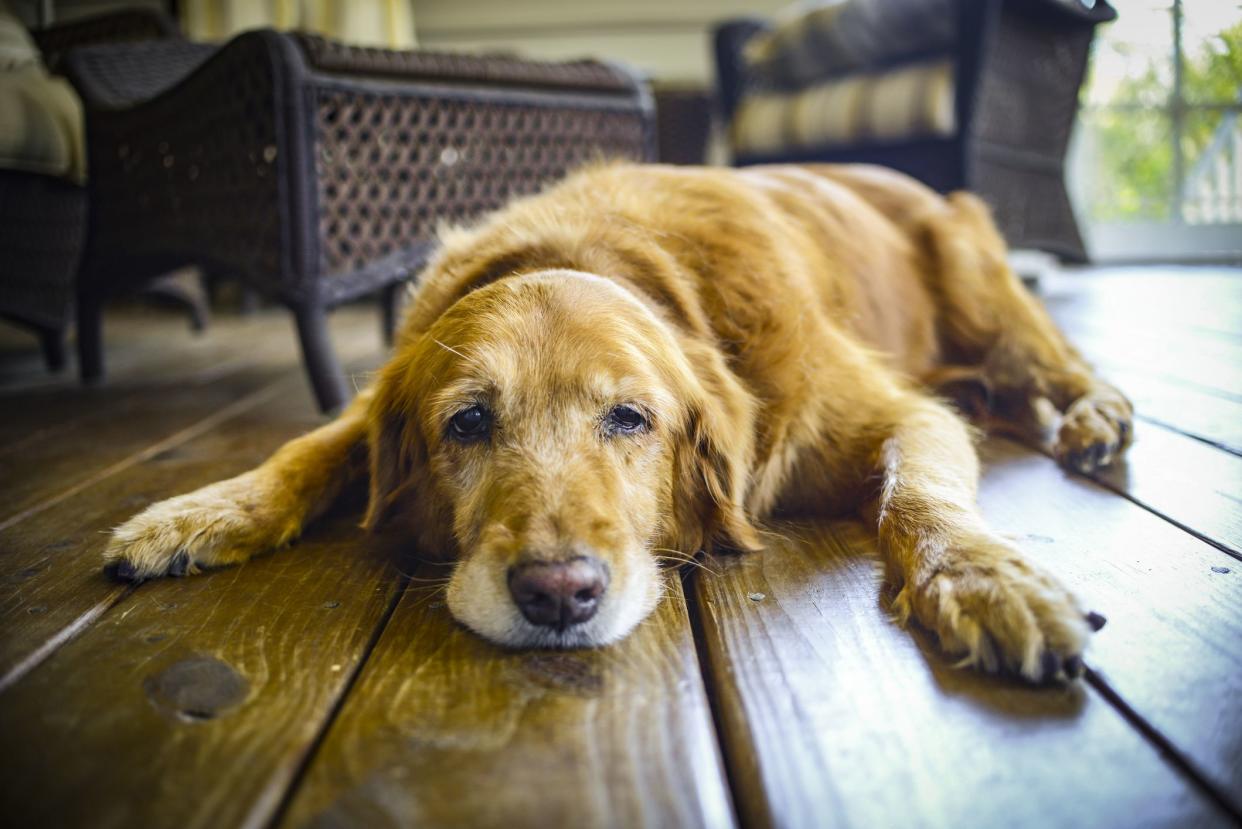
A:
(1018, 65)
(316, 171)
(43, 217)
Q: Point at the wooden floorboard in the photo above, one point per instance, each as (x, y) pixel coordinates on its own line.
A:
(1182, 331)
(1192, 484)
(1175, 342)
(193, 702)
(1200, 300)
(228, 678)
(444, 729)
(1172, 648)
(50, 580)
(50, 577)
(1197, 372)
(142, 347)
(1206, 417)
(149, 356)
(831, 715)
(44, 473)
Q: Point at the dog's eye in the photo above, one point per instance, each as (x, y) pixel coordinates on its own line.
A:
(625, 419)
(471, 424)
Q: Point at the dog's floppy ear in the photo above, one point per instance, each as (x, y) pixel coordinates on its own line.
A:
(715, 458)
(395, 448)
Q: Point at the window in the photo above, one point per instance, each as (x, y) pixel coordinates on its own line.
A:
(1156, 169)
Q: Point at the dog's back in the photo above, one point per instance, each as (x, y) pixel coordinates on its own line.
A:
(757, 258)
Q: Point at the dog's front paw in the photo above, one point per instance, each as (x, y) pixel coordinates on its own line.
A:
(1000, 613)
(225, 523)
(1094, 431)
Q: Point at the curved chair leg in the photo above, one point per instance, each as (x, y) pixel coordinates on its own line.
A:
(52, 341)
(185, 289)
(322, 367)
(90, 337)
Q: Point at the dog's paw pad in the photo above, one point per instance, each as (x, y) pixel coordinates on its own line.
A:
(215, 526)
(1001, 614)
(1093, 434)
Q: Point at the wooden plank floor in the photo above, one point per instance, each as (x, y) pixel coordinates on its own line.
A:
(327, 685)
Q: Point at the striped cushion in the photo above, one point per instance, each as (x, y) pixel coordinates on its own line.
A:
(40, 116)
(912, 102)
(814, 41)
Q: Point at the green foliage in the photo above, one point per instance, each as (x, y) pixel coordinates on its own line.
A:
(1213, 75)
(1134, 154)
(1133, 179)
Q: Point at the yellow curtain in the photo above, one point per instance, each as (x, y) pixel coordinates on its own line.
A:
(387, 23)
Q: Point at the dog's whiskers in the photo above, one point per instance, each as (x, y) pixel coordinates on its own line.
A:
(423, 588)
(428, 581)
(412, 577)
(683, 558)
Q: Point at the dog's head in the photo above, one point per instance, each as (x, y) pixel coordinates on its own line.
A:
(557, 437)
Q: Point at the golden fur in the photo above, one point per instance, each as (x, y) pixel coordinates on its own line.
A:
(779, 328)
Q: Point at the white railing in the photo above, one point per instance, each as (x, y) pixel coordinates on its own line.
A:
(1212, 193)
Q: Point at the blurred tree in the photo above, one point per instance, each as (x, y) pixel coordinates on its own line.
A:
(1214, 74)
(1134, 178)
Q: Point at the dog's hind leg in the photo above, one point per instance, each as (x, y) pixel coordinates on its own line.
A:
(988, 318)
(260, 510)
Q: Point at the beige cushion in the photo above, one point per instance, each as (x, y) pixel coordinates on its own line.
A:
(41, 129)
(912, 102)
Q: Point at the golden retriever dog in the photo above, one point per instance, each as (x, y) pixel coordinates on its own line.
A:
(651, 360)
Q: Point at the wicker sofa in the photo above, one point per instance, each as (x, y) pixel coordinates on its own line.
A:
(1015, 65)
(43, 214)
(315, 171)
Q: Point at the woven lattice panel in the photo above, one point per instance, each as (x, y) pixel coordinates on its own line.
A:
(121, 75)
(391, 167)
(117, 27)
(42, 222)
(1028, 89)
(1030, 206)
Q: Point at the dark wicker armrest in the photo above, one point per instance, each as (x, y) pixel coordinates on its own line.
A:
(117, 27)
(116, 76)
(731, 73)
(1067, 13)
(337, 58)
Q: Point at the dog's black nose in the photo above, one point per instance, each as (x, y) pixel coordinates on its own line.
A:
(559, 594)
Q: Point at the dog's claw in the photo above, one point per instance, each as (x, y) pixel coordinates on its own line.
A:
(180, 564)
(1073, 667)
(1096, 621)
(123, 571)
